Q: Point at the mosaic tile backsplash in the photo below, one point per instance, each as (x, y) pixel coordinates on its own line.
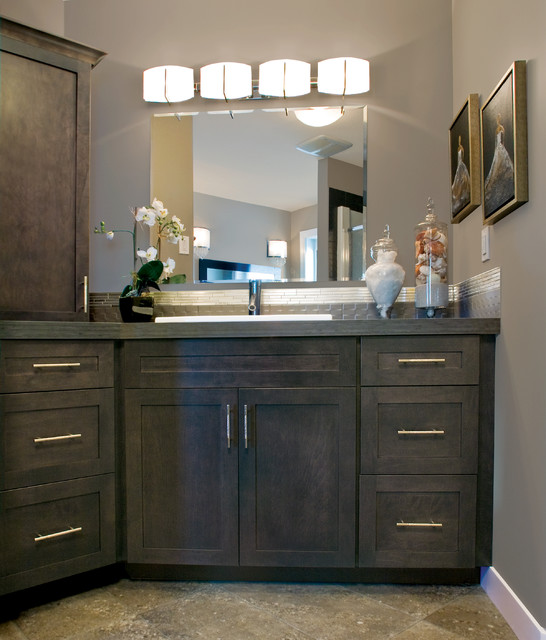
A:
(477, 297)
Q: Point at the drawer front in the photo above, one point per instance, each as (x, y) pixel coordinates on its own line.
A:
(56, 530)
(420, 360)
(268, 362)
(42, 365)
(417, 521)
(420, 430)
(52, 436)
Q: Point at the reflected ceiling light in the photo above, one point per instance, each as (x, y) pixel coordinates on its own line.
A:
(343, 76)
(277, 249)
(168, 84)
(284, 78)
(319, 116)
(226, 80)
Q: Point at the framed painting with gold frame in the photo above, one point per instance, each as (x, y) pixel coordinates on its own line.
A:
(464, 154)
(504, 145)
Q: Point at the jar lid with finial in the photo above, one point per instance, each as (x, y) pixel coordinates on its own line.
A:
(384, 249)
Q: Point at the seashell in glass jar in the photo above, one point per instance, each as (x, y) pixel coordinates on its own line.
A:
(385, 278)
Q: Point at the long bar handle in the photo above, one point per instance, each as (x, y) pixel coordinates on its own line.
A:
(85, 294)
(59, 534)
(420, 360)
(245, 424)
(437, 525)
(421, 432)
(48, 365)
(68, 436)
(228, 425)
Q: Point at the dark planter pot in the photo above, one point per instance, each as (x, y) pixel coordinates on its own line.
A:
(137, 309)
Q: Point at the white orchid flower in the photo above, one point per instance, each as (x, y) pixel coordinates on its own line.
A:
(109, 235)
(148, 255)
(146, 215)
(157, 204)
(168, 267)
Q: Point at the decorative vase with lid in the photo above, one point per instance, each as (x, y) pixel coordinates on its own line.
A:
(431, 288)
(385, 278)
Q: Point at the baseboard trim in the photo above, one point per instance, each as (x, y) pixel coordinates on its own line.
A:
(513, 610)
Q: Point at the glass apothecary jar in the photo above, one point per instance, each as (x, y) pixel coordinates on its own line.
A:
(431, 287)
(385, 278)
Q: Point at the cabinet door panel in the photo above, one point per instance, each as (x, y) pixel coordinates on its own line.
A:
(297, 477)
(181, 477)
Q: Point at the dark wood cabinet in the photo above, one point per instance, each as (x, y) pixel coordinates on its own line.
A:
(44, 174)
(241, 476)
(57, 469)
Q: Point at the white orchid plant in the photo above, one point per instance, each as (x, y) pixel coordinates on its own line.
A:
(153, 270)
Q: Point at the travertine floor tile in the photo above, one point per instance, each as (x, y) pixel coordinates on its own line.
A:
(473, 616)
(426, 631)
(9, 631)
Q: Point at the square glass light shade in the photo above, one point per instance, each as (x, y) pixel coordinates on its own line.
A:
(226, 80)
(277, 249)
(284, 78)
(343, 76)
(201, 237)
(170, 83)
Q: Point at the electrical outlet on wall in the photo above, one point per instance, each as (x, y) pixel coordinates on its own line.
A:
(184, 245)
(486, 235)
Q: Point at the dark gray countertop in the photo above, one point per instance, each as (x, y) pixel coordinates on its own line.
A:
(12, 330)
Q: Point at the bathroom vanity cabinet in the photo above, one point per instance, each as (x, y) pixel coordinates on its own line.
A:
(244, 455)
(57, 502)
(354, 451)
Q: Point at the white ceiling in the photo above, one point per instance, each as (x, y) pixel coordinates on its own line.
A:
(252, 157)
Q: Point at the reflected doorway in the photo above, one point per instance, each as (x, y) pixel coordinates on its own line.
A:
(308, 254)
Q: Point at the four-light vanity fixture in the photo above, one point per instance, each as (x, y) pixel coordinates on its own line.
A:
(277, 78)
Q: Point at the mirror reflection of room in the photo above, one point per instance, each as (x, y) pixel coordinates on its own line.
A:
(253, 178)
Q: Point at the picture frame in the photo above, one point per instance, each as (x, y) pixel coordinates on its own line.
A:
(464, 154)
(504, 145)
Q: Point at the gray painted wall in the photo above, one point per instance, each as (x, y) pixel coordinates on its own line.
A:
(47, 15)
(487, 37)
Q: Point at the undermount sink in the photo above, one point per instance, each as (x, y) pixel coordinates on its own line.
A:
(247, 318)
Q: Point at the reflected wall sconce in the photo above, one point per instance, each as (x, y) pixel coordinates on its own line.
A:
(201, 241)
(278, 251)
(277, 78)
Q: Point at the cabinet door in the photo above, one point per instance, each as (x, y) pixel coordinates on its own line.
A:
(181, 477)
(297, 477)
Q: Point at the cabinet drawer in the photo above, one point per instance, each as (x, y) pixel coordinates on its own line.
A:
(56, 530)
(420, 360)
(51, 436)
(41, 365)
(419, 430)
(417, 521)
(268, 362)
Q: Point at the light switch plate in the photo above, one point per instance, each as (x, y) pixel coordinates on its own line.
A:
(486, 234)
(184, 245)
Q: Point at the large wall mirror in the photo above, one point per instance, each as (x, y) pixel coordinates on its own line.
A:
(256, 176)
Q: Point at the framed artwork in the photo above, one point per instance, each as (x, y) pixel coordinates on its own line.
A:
(504, 145)
(464, 153)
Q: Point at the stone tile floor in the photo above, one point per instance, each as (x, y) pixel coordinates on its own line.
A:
(142, 610)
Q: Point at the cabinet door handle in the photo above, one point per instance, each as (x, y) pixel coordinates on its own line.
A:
(245, 424)
(421, 432)
(49, 365)
(68, 436)
(59, 534)
(85, 294)
(420, 360)
(228, 426)
(437, 525)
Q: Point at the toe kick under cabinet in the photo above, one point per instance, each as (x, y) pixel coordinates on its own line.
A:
(57, 506)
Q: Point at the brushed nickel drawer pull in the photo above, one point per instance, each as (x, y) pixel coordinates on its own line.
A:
(68, 436)
(245, 424)
(437, 525)
(421, 432)
(59, 534)
(228, 426)
(48, 365)
(420, 360)
(85, 294)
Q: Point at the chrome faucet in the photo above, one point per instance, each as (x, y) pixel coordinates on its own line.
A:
(254, 295)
